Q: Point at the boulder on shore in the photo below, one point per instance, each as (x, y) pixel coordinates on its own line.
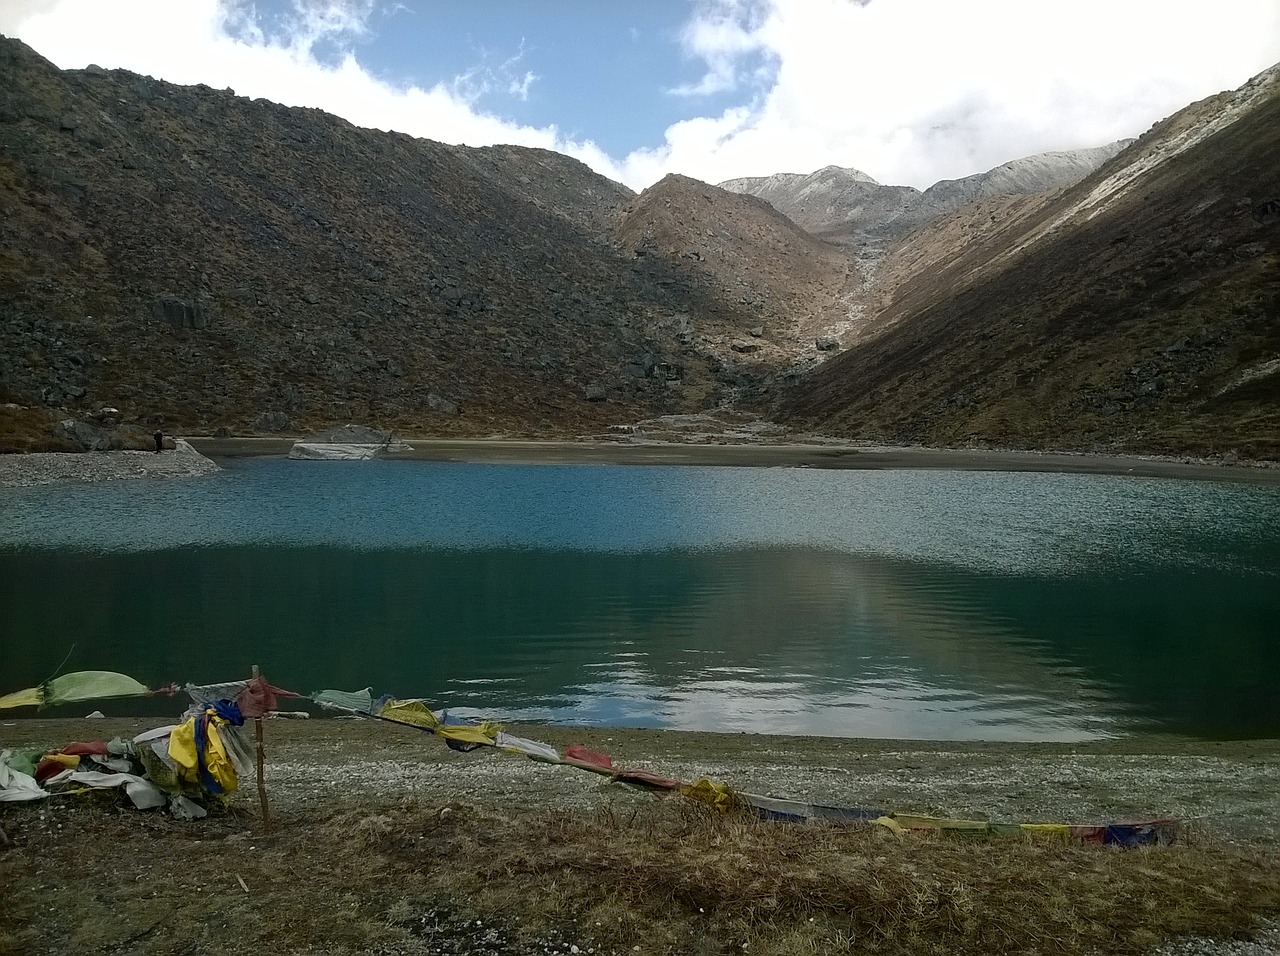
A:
(347, 443)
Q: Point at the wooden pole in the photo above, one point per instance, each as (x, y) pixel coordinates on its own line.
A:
(262, 784)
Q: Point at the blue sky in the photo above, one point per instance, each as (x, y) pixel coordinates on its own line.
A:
(908, 91)
(594, 70)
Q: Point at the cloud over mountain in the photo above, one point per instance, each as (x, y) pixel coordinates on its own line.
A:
(912, 91)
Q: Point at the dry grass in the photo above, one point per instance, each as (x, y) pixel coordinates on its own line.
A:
(680, 879)
(29, 430)
(94, 875)
(355, 865)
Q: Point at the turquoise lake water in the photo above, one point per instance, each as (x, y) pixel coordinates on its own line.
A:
(920, 604)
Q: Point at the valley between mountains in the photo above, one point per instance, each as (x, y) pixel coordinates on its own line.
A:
(199, 261)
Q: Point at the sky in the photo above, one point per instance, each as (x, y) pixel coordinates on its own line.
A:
(908, 91)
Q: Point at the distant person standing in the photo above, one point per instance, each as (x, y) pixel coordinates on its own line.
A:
(159, 437)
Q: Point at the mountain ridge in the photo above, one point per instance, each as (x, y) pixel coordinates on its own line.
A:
(200, 260)
(1137, 310)
(298, 269)
(846, 205)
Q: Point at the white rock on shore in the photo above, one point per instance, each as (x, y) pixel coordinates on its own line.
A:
(49, 468)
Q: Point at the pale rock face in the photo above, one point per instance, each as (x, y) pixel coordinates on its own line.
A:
(848, 206)
(832, 199)
(1022, 177)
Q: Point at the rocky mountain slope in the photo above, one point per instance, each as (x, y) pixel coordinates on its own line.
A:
(1138, 310)
(848, 206)
(1029, 176)
(836, 203)
(199, 259)
(755, 259)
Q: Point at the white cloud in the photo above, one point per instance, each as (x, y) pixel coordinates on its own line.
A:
(725, 34)
(517, 85)
(913, 91)
(223, 45)
(484, 78)
(14, 13)
(520, 88)
(312, 21)
(910, 91)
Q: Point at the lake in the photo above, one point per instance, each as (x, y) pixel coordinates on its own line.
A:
(914, 604)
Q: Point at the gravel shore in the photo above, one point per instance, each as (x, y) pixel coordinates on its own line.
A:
(48, 468)
(193, 457)
(1226, 788)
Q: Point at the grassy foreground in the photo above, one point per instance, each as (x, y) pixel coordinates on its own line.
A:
(387, 843)
(684, 880)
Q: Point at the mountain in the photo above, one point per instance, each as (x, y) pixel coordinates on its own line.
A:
(1136, 311)
(1022, 177)
(200, 259)
(774, 280)
(835, 203)
(848, 206)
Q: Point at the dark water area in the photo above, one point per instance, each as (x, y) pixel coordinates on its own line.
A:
(917, 604)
